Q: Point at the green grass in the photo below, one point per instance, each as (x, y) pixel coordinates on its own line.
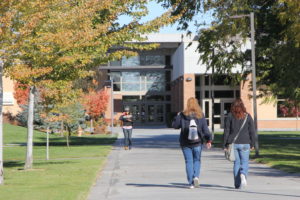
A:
(68, 174)
(280, 150)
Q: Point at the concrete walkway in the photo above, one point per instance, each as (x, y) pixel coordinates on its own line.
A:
(154, 169)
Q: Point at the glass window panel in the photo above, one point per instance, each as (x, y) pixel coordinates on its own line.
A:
(217, 120)
(131, 77)
(131, 98)
(168, 97)
(206, 80)
(160, 113)
(155, 86)
(168, 108)
(117, 87)
(168, 86)
(115, 76)
(227, 107)
(206, 94)
(286, 109)
(130, 87)
(152, 60)
(115, 63)
(222, 80)
(155, 76)
(155, 98)
(206, 109)
(224, 94)
(168, 76)
(198, 95)
(151, 113)
(130, 61)
(217, 108)
(198, 81)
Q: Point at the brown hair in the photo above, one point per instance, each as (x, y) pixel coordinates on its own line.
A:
(193, 107)
(238, 109)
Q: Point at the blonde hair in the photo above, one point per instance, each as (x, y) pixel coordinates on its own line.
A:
(193, 107)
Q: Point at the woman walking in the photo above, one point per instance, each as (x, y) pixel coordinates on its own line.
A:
(240, 123)
(194, 132)
(127, 125)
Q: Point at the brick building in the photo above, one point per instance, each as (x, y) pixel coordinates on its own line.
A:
(155, 84)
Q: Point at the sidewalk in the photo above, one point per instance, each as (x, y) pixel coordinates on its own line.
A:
(154, 169)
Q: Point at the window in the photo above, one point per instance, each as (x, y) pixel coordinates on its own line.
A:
(206, 80)
(155, 98)
(131, 98)
(286, 109)
(223, 94)
(198, 81)
(222, 80)
(152, 60)
(206, 94)
(237, 94)
(130, 61)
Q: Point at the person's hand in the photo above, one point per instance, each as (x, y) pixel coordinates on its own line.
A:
(252, 148)
(208, 145)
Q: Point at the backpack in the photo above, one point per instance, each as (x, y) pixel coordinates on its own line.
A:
(193, 130)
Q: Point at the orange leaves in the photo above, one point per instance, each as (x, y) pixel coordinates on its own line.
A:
(21, 93)
(25, 74)
(95, 103)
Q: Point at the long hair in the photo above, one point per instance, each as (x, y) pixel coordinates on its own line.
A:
(193, 108)
(238, 109)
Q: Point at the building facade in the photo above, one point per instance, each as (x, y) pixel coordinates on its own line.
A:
(156, 84)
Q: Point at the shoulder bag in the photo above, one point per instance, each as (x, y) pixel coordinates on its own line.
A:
(229, 153)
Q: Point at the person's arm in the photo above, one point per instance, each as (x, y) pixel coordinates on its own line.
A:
(207, 133)
(177, 121)
(226, 130)
(252, 132)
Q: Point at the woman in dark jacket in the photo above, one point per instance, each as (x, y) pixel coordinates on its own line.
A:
(244, 142)
(191, 120)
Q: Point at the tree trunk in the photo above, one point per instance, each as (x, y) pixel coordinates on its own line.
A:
(67, 135)
(1, 126)
(47, 146)
(29, 155)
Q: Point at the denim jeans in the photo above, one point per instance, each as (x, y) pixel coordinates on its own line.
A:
(241, 163)
(192, 157)
(127, 137)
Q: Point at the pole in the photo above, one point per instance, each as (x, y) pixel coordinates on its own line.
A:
(254, 80)
(112, 104)
(213, 99)
(47, 144)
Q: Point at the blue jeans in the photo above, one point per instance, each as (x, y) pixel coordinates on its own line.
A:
(241, 163)
(192, 157)
(127, 137)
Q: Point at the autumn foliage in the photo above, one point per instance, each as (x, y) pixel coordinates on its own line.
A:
(95, 103)
(21, 93)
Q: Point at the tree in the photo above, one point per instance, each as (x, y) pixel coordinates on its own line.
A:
(277, 40)
(21, 92)
(62, 40)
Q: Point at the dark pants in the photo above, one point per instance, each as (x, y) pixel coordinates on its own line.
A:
(127, 137)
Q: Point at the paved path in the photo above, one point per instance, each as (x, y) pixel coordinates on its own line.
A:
(154, 170)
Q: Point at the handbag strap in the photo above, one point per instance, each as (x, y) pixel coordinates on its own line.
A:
(244, 122)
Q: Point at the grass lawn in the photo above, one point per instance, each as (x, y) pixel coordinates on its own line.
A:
(68, 174)
(280, 150)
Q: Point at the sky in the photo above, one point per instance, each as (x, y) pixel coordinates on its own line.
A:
(156, 10)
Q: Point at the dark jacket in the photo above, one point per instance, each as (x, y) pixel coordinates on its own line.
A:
(232, 126)
(126, 119)
(182, 122)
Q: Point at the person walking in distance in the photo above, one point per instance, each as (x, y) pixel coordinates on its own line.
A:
(194, 132)
(127, 125)
(240, 123)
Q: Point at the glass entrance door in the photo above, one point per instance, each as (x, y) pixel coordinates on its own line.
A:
(155, 113)
(147, 113)
(221, 110)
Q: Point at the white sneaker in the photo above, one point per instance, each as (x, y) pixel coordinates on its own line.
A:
(191, 187)
(243, 181)
(196, 182)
